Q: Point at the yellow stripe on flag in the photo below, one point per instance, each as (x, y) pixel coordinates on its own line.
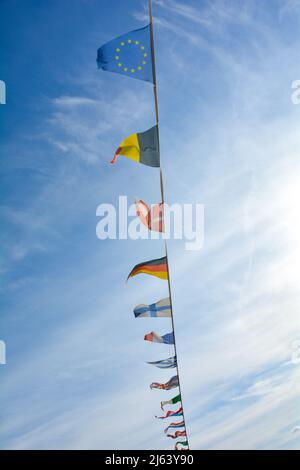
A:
(130, 148)
(160, 274)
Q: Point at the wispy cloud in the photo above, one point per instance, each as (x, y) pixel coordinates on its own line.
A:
(209, 14)
(79, 125)
(73, 101)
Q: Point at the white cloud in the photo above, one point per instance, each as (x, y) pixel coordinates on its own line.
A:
(73, 101)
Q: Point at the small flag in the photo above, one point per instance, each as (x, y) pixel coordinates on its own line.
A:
(160, 309)
(171, 413)
(169, 363)
(142, 148)
(177, 434)
(180, 424)
(155, 338)
(152, 217)
(155, 267)
(185, 444)
(129, 54)
(172, 383)
(171, 402)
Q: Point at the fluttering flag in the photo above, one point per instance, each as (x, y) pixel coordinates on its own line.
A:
(172, 383)
(169, 363)
(129, 54)
(184, 444)
(177, 434)
(171, 402)
(180, 424)
(179, 412)
(152, 217)
(154, 267)
(142, 148)
(155, 338)
(160, 309)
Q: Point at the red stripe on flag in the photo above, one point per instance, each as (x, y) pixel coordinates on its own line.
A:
(118, 151)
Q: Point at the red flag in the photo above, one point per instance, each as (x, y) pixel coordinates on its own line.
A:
(152, 217)
(171, 413)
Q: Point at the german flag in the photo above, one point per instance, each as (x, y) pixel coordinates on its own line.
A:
(155, 267)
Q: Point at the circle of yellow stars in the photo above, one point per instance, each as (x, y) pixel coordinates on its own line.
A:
(119, 60)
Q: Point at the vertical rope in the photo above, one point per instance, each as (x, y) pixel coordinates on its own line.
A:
(162, 198)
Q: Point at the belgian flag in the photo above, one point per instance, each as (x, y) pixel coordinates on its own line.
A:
(155, 267)
(141, 147)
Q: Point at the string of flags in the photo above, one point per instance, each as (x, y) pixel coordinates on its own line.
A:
(132, 54)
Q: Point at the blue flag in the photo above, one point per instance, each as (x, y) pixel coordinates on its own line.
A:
(129, 55)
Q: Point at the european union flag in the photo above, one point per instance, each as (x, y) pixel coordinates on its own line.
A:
(129, 55)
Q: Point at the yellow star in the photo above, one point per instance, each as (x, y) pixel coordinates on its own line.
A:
(132, 70)
(122, 43)
(136, 42)
(145, 55)
(117, 57)
(118, 49)
(139, 67)
(144, 62)
(129, 41)
(125, 69)
(142, 47)
(120, 64)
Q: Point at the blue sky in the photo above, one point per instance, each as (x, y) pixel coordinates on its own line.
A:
(76, 376)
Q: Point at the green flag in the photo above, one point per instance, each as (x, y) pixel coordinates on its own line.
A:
(170, 402)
